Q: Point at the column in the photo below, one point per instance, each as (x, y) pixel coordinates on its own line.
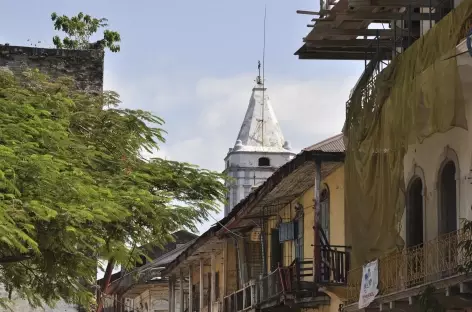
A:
(225, 269)
(190, 289)
(150, 300)
(181, 295)
(213, 280)
(243, 268)
(201, 285)
(171, 293)
(317, 223)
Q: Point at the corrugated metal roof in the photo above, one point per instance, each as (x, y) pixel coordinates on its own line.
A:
(332, 144)
(171, 255)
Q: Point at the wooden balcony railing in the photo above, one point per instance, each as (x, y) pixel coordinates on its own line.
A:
(426, 263)
(335, 263)
(242, 299)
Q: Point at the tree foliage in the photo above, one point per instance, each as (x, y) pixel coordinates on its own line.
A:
(74, 187)
(80, 28)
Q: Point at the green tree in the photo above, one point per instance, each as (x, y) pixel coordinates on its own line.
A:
(80, 28)
(74, 187)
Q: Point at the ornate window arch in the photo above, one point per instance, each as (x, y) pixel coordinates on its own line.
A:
(415, 206)
(448, 191)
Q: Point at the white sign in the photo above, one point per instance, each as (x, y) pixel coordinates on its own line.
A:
(369, 284)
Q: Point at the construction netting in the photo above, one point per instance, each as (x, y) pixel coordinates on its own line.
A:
(417, 95)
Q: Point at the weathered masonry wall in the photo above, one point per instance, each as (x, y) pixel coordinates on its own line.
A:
(84, 66)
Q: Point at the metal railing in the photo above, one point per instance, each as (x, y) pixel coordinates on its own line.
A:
(429, 262)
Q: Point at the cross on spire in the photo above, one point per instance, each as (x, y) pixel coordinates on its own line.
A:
(258, 79)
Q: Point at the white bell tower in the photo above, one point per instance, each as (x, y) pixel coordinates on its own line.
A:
(260, 148)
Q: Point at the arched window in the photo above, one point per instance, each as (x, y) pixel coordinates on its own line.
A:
(264, 162)
(414, 215)
(324, 202)
(448, 210)
(447, 198)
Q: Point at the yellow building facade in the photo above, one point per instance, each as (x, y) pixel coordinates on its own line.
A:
(283, 246)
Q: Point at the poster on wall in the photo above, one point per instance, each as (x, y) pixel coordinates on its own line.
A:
(369, 284)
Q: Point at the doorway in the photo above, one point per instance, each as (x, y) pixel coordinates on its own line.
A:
(415, 232)
(448, 218)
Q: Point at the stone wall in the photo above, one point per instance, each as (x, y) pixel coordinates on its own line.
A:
(84, 66)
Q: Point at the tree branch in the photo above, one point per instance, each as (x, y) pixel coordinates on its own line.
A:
(16, 258)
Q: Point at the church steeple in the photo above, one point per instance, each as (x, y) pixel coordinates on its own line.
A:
(260, 130)
(260, 147)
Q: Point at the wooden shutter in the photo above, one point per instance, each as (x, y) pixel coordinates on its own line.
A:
(286, 231)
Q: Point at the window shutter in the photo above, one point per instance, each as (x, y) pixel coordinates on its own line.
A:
(286, 231)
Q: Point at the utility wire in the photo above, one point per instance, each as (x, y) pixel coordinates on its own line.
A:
(263, 75)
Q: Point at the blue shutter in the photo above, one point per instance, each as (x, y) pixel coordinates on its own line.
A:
(325, 217)
(286, 231)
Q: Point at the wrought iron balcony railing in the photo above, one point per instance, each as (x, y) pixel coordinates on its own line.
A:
(430, 262)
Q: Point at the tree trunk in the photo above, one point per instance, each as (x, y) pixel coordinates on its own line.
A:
(106, 283)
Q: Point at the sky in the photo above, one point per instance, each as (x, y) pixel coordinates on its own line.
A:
(194, 64)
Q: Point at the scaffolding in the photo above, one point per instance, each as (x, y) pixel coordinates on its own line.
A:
(343, 29)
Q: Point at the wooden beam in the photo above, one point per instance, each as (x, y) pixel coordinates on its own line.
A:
(402, 3)
(338, 55)
(225, 270)
(312, 12)
(190, 288)
(387, 16)
(348, 50)
(385, 43)
(202, 276)
(376, 16)
(213, 282)
(172, 292)
(181, 291)
(358, 32)
(354, 4)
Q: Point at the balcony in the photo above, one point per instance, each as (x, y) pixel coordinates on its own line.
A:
(441, 262)
(241, 300)
(293, 284)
